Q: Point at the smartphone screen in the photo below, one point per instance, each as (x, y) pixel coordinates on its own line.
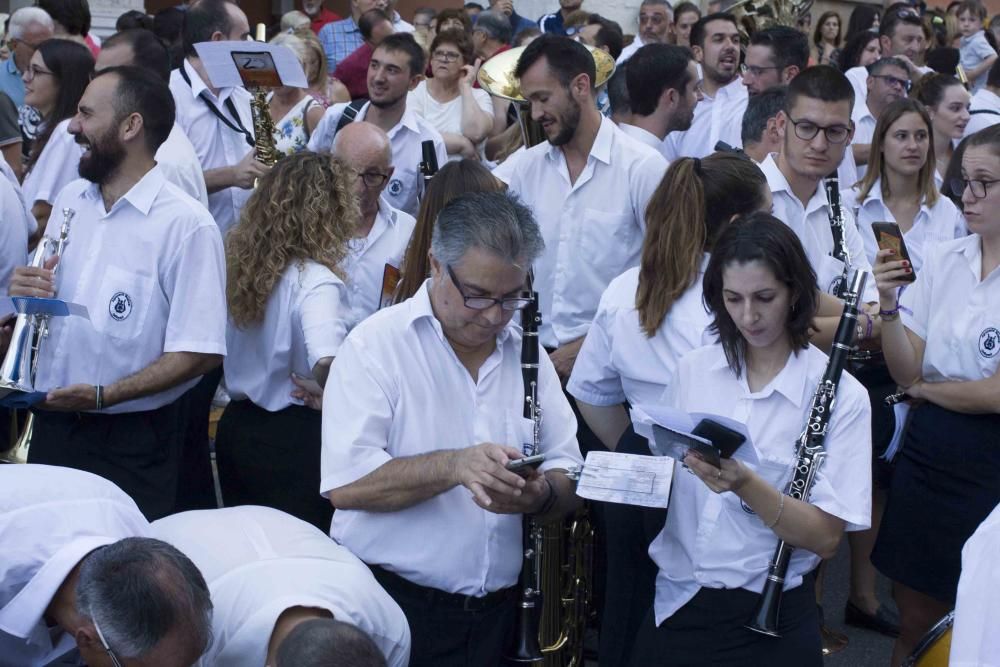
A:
(889, 236)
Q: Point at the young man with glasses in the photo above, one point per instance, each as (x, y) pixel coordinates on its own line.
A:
(396, 68)
(888, 81)
(775, 56)
(422, 414)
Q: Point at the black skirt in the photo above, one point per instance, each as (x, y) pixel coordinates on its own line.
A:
(946, 482)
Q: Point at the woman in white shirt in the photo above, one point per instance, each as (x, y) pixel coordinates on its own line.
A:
(941, 341)
(53, 84)
(288, 313)
(947, 103)
(724, 523)
(462, 114)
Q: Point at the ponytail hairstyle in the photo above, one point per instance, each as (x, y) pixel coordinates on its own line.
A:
(690, 206)
(929, 91)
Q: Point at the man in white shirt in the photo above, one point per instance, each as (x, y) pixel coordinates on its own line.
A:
(588, 186)
(176, 156)
(79, 573)
(146, 260)
(775, 56)
(656, 22)
(268, 572)
(888, 81)
(715, 41)
(396, 68)
(423, 412)
(759, 131)
(663, 89)
(217, 120)
(984, 108)
(376, 252)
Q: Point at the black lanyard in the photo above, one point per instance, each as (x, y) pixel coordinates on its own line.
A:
(235, 127)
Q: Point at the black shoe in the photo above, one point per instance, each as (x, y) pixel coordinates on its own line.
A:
(884, 620)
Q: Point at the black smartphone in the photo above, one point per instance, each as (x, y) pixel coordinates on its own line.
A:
(527, 463)
(725, 439)
(889, 236)
(677, 445)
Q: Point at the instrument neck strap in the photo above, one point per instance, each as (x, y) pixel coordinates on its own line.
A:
(238, 126)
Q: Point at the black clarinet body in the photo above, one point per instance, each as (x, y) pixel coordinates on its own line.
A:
(810, 453)
(837, 227)
(428, 164)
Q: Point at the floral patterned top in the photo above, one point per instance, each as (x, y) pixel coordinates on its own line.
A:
(290, 133)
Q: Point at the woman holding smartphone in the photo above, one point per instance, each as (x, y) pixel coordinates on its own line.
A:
(724, 523)
(941, 340)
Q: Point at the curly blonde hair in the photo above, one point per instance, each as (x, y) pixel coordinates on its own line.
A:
(303, 209)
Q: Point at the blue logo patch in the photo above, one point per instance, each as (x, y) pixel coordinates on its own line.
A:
(989, 342)
(120, 306)
(395, 187)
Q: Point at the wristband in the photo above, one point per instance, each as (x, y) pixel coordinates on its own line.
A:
(100, 396)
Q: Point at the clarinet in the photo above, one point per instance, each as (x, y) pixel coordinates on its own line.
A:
(840, 251)
(428, 165)
(526, 647)
(810, 453)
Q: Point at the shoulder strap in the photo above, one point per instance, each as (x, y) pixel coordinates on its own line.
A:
(238, 126)
(989, 111)
(350, 115)
(305, 113)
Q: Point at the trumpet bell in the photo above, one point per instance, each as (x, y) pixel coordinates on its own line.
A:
(496, 76)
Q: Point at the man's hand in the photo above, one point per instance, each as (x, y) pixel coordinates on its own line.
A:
(482, 470)
(564, 357)
(530, 500)
(248, 170)
(34, 281)
(74, 398)
(308, 391)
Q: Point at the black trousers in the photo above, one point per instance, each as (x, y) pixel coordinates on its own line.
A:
(272, 459)
(708, 632)
(443, 633)
(138, 451)
(196, 489)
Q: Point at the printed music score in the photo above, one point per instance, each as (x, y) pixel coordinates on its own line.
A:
(629, 479)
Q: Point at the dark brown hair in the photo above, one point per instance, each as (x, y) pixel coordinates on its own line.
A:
(457, 38)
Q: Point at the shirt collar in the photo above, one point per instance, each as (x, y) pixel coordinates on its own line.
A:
(12, 66)
(875, 195)
(198, 85)
(600, 150)
(350, 25)
(861, 112)
(141, 195)
(972, 250)
(790, 382)
(387, 212)
(778, 183)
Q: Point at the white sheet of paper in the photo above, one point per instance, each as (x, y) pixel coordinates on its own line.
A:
(629, 479)
(218, 61)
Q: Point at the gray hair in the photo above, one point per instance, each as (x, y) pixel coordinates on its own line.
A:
(760, 109)
(494, 221)
(664, 3)
(140, 589)
(495, 25)
(325, 642)
(887, 61)
(25, 17)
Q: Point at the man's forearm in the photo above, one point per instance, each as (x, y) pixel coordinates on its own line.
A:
(399, 483)
(218, 179)
(170, 370)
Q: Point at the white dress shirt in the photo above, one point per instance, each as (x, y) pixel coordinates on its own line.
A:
(13, 237)
(858, 76)
(152, 275)
(504, 171)
(619, 363)
(29, 220)
(50, 518)
(643, 136)
(713, 540)
(864, 133)
(258, 562)
(397, 389)
(812, 225)
(366, 261)
(984, 109)
(974, 641)
(715, 119)
(406, 138)
(56, 167)
(306, 319)
(215, 143)
(179, 162)
(629, 50)
(956, 314)
(593, 228)
(932, 224)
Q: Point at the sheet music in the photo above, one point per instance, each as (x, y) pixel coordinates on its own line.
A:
(629, 479)
(281, 68)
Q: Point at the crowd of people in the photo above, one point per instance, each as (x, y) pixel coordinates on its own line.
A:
(687, 229)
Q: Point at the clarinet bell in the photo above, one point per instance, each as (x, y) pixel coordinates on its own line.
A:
(765, 615)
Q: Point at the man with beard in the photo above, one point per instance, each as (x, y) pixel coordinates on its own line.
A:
(663, 90)
(888, 81)
(588, 186)
(396, 68)
(146, 260)
(715, 41)
(656, 21)
(775, 56)
(554, 24)
(318, 14)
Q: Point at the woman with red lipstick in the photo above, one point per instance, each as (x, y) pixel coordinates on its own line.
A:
(941, 340)
(723, 523)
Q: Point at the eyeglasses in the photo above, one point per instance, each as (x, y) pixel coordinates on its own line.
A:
(372, 179)
(755, 71)
(978, 188)
(35, 70)
(509, 304)
(807, 130)
(446, 56)
(111, 654)
(905, 84)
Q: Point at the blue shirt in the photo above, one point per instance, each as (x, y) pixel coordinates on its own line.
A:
(552, 24)
(519, 23)
(11, 83)
(340, 39)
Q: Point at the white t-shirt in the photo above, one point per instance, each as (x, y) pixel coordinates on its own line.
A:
(445, 116)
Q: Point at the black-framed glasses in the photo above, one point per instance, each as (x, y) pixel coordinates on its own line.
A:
(807, 130)
(905, 84)
(978, 187)
(754, 70)
(373, 179)
(35, 70)
(111, 654)
(446, 56)
(509, 304)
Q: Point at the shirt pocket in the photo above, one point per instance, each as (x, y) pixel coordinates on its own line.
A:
(608, 240)
(829, 273)
(520, 432)
(123, 303)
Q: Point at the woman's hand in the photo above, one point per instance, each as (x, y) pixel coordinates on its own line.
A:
(730, 477)
(891, 273)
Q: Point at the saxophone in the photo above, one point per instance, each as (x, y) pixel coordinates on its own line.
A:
(265, 149)
(810, 454)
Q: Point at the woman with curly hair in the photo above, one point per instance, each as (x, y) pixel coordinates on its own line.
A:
(288, 313)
